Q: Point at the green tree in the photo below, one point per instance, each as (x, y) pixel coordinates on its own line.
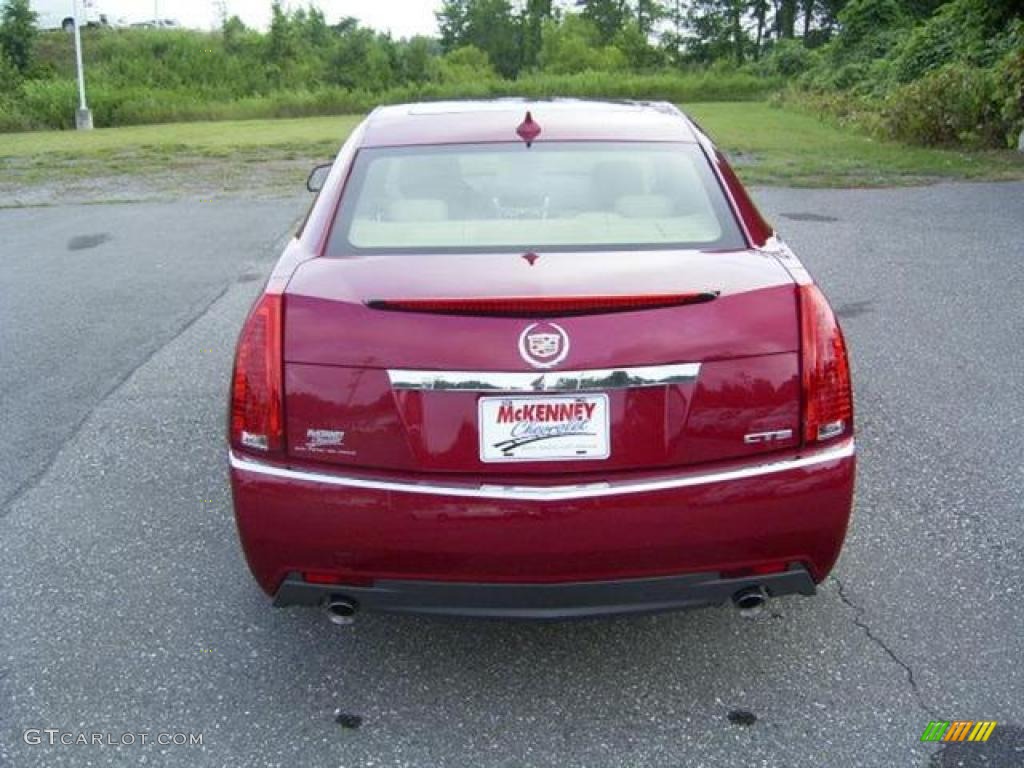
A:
(635, 45)
(282, 42)
(868, 20)
(466, 64)
(418, 60)
(963, 30)
(363, 59)
(759, 8)
(10, 77)
(607, 16)
(716, 30)
(574, 45)
(648, 14)
(314, 29)
(734, 10)
(232, 30)
(921, 9)
(785, 19)
(18, 33)
(452, 21)
(828, 19)
(673, 39)
(489, 25)
(535, 13)
(494, 29)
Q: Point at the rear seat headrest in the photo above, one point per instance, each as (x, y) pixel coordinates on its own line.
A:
(417, 209)
(644, 206)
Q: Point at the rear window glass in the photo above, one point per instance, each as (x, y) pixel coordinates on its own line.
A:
(551, 196)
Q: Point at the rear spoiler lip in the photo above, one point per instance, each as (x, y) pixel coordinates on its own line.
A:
(541, 306)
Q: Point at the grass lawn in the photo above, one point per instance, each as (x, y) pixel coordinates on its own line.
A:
(204, 139)
(788, 148)
(770, 146)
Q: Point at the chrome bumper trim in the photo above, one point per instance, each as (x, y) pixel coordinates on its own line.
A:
(601, 379)
(834, 453)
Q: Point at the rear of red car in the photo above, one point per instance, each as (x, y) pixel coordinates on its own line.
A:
(551, 373)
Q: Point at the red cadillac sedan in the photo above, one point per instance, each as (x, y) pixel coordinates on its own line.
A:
(538, 360)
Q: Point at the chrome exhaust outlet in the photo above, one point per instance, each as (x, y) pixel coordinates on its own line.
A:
(341, 611)
(750, 601)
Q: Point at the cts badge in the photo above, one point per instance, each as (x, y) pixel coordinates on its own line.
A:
(767, 437)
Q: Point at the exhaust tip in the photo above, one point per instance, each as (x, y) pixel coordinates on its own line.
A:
(341, 611)
(750, 601)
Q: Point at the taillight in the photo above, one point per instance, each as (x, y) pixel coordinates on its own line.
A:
(257, 411)
(827, 392)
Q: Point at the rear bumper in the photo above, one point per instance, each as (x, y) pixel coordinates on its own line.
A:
(654, 541)
(573, 600)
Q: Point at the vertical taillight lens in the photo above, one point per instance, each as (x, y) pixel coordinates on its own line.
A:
(257, 410)
(827, 392)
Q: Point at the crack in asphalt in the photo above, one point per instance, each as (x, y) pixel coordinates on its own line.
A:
(30, 482)
(858, 613)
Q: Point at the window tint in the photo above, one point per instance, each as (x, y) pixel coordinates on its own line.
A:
(554, 196)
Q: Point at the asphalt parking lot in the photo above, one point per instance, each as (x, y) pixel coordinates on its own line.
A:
(127, 607)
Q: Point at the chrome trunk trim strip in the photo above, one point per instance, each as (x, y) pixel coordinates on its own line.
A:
(837, 452)
(602, 379)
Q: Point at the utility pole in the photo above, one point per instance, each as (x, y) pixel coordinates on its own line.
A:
(83, 117)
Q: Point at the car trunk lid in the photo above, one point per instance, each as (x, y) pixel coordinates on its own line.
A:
(702, 360)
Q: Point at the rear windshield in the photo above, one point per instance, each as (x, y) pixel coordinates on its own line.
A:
(551, 196)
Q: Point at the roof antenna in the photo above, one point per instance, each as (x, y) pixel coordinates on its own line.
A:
(528, 130)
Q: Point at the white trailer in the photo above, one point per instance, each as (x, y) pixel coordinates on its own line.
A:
(59, 14)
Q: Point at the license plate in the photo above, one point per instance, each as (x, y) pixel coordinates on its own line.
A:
(544, 428)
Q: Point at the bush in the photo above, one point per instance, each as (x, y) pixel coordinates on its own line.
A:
(153, 76)
(467, 63)
(10, 77)
(955, 104)
(574, 46)
(858, 58)
(656, 87)
(963, 30)
(11, 116)
(787, 58)
(1009, 74)
(843, 108)
(954, 78)
(866, 22)
(49, 103)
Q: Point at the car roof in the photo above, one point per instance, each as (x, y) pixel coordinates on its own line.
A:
(470, 122)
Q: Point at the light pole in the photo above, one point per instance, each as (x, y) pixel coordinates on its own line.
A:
(83, 117)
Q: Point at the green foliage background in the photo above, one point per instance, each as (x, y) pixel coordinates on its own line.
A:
(921, 71)
(954, 77)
